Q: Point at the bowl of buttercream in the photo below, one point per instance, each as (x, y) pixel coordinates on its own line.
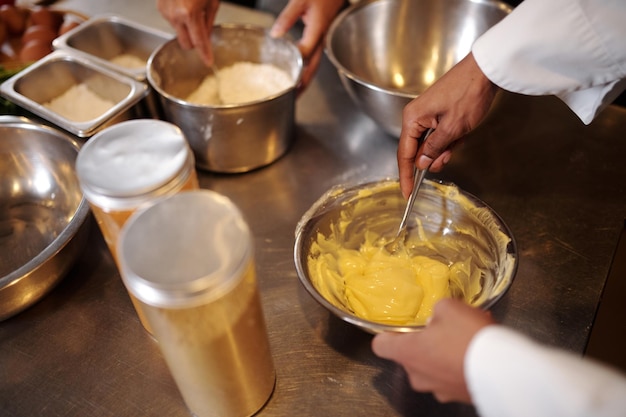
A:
(455, 246)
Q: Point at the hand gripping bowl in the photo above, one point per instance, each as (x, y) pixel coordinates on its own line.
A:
(43, 213)
(387, 52)
(447, 224)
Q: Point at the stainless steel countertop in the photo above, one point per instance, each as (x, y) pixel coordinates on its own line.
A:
(559, 185)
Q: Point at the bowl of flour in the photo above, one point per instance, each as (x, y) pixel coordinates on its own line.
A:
(240, 116)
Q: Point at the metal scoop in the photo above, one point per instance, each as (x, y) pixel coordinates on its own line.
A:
(214, 72)
(418, 178)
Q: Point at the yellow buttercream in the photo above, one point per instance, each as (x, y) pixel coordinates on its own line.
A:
(350, 267)
(374, 284)
(454, 248)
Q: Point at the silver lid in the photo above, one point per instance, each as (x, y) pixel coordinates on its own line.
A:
(127, 163)
(184, 250)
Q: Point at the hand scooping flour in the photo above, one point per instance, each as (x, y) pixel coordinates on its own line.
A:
(241, 82)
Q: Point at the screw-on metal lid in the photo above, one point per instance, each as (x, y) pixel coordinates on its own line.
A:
(129, 162)
(184, 250)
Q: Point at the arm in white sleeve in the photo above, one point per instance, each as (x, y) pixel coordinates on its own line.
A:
(509, 375)
(574, 49)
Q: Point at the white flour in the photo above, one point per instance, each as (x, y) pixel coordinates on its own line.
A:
(206, 93)
(79, 104)
(241, 83)
(128, 61)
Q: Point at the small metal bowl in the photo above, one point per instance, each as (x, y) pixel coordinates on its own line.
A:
(387, 52)
(230, 138)
(56, 73)
(454, 227)
(106, 37)
(43, 214)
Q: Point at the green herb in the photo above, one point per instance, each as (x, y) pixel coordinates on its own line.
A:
(6, 106)
(6, 73)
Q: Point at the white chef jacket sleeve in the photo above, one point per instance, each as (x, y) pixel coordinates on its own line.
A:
(510, 375)
(574, 49)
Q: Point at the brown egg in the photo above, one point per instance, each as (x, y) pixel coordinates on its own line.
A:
(14, 17)
(39, 32)
(46, 17)
(35, 50)
(3, 32)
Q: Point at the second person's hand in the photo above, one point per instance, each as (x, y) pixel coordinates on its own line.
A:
(316, 15)
(434, 357)
(453, 106)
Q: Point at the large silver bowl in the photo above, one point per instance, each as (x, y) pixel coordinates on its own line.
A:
(387, 52)
(43, 213)
(454, 227)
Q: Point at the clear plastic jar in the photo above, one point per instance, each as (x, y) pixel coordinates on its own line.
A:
(129, 166)
(189, 261)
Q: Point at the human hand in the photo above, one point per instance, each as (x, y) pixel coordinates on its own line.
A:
(317, 16)
(434, 357)
(193, 21)
(453, 106)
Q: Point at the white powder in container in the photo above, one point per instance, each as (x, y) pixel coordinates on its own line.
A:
(129, 61)
(79, 104)
(241, 82)
(206, 93)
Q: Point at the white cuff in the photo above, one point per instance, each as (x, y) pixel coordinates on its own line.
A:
(509, 375)
(570, 48)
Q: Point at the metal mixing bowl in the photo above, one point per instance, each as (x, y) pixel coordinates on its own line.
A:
(387, 52)
(229, 138)
(43, 213)
(454, 226)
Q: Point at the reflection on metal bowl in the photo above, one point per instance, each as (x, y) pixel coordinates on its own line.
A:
(43, 213)
(446, 224)
(387, 52)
